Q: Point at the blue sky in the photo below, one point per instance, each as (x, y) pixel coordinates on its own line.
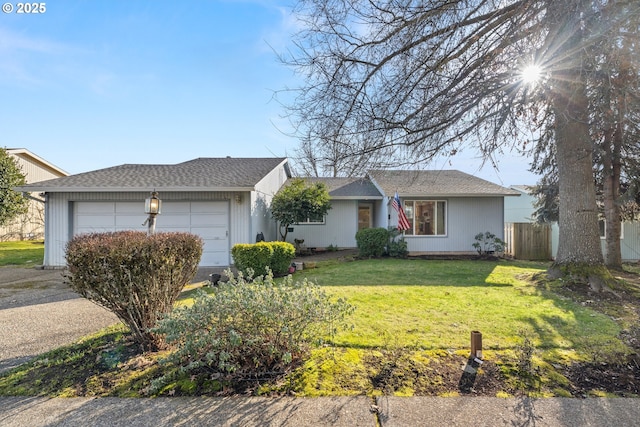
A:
(98, 83)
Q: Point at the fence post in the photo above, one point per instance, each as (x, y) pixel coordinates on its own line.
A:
(476, 344)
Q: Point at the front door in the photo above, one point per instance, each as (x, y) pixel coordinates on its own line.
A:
(364, 215)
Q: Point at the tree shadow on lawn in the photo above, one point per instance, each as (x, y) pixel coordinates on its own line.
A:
(418, 272)
(605, 354)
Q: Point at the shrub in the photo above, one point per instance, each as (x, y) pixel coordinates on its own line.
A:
(248, 330)
(136, 277)
(397, 245)
(254, 258)
(487, 243)
(372, 242)
(283, 254)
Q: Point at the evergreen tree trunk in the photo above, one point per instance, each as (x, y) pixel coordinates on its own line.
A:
(611, 189)
(613, 111)
(579, 251)
(578, 221)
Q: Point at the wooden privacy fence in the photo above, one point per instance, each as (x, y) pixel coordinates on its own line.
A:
(528, 241)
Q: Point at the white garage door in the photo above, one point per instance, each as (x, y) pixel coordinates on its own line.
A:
(209, 220)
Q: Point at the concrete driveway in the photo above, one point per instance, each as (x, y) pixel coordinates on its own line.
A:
(39, 313)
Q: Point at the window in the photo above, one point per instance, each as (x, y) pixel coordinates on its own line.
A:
(602, 226)
(426, 217)
(320, 219)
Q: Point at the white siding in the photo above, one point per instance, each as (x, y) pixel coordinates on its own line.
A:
(240, 221)
(339, 229)
(261, 220)
(466, 217)
(629, 243)
(519, 209)
(57, 233)
(382, 213)
(59, 211)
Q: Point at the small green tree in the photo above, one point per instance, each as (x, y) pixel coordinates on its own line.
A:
(299, 201)
(12, 203)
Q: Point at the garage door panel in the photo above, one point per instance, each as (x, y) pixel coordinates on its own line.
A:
(173, 220)
(174, 230)
(89, 230)
(209, 220)
(209, 207)
(129, 222)
(95, 208)
(175, 207)
(210, 233)
(96, 221)
(130, 208)
(212, 220)
(129, 228)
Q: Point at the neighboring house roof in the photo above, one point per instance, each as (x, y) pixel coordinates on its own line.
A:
(525, 189)
(37, 160)
(202, 174)
(349, 188)
(441, 183)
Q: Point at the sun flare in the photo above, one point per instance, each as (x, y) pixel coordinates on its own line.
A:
(531, 74)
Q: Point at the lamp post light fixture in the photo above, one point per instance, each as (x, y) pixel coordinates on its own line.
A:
(152, 207)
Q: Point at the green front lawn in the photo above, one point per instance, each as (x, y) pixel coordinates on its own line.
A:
(23, 253)
(436, 304)
(411, 335)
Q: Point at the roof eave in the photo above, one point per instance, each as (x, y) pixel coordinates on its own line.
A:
(356, 197)
(450, 195)
(38, 159)
(129, 189)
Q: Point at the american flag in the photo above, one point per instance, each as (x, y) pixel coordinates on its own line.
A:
(403, 221)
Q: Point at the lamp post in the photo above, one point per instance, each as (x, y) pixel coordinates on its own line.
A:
(152, 206)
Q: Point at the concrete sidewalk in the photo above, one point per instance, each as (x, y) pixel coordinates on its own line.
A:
(326, 411)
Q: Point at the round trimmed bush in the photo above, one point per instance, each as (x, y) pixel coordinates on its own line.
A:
(137, 277)
(372, 242)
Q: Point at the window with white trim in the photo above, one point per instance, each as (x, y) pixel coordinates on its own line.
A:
(602, 226)
(426, 217)
(314, 220)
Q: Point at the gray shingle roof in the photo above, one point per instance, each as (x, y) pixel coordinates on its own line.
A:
(202, 174)
(348, 188)
(440, 183)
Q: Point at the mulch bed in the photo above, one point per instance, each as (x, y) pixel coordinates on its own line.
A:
(621, 379)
